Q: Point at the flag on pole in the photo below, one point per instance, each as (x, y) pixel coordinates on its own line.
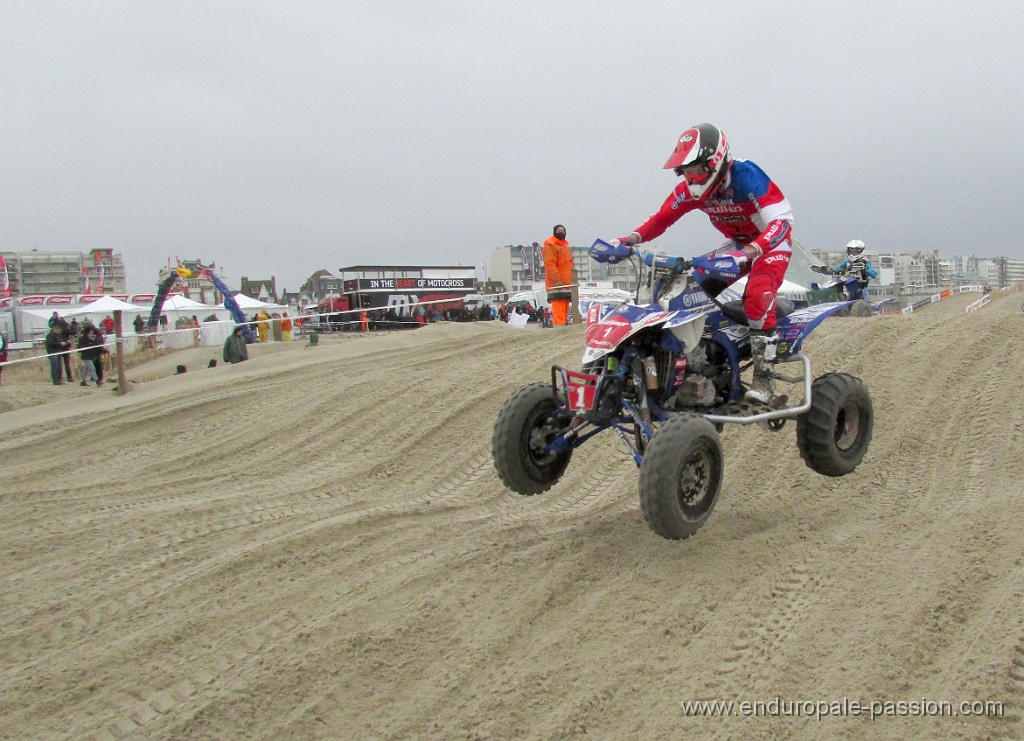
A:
(5, 285)
(85, 280)
(527, 263)
(99, 279)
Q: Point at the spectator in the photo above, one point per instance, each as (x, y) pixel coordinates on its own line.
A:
(99, 356)
(107, 324)
(163, 322)
(90, 345)
(286, 328)
(275, 327)
(73, 329)
(3, 355)
(138, 323)
(558, 275)
(55, 343)
(263, 325)
(69, 339)
(235, 350)
(63, 330)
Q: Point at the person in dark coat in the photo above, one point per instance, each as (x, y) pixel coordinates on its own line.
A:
(235, 349)
(3, 355)
(90, 346)
(56, 343)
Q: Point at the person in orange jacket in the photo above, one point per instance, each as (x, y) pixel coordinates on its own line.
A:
(286, 327)
(558, 275)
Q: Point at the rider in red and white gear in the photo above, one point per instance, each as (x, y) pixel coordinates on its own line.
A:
(749, 209)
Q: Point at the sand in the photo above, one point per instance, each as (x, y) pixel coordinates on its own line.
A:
(314, 544)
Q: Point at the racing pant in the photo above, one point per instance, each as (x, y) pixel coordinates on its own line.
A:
(763, 283)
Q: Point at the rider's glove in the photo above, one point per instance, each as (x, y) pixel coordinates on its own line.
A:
(628, 241)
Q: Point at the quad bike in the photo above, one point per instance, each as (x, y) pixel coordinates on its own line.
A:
(847, 285)
(666, 377)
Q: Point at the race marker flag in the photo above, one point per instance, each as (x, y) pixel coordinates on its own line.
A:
(5, 284)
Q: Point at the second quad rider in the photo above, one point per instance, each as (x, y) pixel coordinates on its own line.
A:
(747, 207)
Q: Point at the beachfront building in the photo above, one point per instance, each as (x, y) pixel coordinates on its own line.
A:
(263, 289)
(65, 272)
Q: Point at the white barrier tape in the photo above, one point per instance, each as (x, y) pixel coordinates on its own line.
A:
(424, 303)
(976, 306)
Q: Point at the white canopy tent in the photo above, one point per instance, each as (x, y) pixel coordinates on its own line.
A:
(245, 303)
(176, 307)
(183, 303)
(102, 307)
(33, 323)
(788, 289)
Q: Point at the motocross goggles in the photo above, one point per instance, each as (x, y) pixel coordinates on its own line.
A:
(696, 173)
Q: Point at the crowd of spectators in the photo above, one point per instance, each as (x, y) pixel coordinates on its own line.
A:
(89, 340)
(390, 319)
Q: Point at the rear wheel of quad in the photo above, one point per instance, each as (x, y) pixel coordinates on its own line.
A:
(860, 309)
(523, 428)
(834, 434)
(681, 476)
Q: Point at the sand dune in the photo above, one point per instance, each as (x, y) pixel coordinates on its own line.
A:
(314, 544)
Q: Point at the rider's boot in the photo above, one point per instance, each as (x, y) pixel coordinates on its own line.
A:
(762, 351)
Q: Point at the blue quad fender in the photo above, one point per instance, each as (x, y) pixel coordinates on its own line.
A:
(794, 328)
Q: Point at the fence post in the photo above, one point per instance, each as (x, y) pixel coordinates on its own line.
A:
(574, 301)
(122, 385)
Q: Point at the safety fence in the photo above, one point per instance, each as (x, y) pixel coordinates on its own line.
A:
(976, 305)
(935, 298)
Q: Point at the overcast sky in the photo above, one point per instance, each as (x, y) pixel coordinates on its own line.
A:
(277, 138)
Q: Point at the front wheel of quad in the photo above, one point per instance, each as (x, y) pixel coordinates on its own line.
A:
(524, 427)
(833, 435)
(681, 476)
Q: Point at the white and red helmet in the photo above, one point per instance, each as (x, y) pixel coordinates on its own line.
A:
(702, 157)
(854, 248)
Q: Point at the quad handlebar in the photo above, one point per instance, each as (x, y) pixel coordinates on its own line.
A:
(664, 262)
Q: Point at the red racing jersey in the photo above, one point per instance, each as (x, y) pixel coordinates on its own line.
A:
(748, 208)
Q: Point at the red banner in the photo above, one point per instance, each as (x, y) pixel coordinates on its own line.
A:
(5, 284)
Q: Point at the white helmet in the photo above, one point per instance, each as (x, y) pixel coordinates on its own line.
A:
(855, 248)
